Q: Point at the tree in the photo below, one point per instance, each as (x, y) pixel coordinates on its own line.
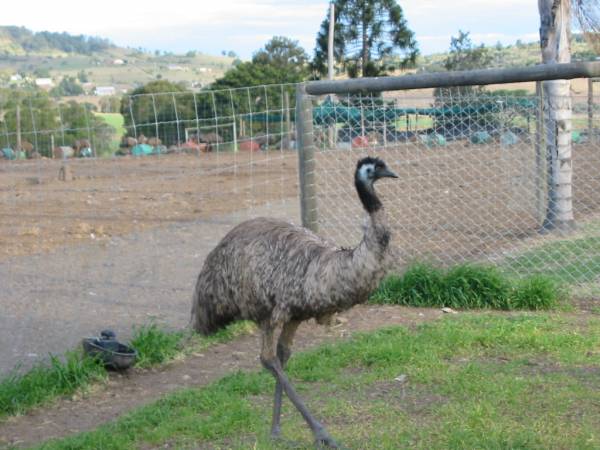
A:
(41, 72)
(463, 55)
(42, 119)
(284, 54)
(37, 114)
(555, 35)
(82, 76)
(68, 87)
(282, 60)
(159, 109)
(110, 104)
(370, 35)
(77, 121)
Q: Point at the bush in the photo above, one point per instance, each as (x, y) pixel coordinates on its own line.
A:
(467, 286)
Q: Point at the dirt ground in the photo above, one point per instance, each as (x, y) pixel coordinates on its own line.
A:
(122, 243)
(452, 203)
(459, 202)
(124, 392)
(112, 197)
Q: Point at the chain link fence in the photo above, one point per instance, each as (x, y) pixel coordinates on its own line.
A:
(474, 177)
(105, 219)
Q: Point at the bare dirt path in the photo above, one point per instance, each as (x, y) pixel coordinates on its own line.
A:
(49, 301)
(124, 392)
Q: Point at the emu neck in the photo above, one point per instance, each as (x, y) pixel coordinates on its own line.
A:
(368, 196)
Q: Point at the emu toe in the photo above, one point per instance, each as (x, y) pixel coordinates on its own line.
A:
(323, 440)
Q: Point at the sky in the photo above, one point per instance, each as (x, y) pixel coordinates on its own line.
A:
(244, 26)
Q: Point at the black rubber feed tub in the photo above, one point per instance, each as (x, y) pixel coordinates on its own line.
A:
(112, 353)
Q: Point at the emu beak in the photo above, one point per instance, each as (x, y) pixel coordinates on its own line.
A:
(386, 173)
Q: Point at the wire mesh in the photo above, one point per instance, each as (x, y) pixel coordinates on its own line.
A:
(475, 182)
(106, 223)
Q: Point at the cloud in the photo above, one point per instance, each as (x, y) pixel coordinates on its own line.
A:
(245, 25)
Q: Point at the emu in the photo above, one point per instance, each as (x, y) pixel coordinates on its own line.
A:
(278, 275)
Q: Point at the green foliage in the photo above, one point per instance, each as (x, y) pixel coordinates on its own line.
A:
(536, 292)
(79, 122)
(464, 55)
(572, 260)
(159, 109)
(68, 87)
(471, 381)
(19, 392)
(282, 60)
(46, 40)
(41, 72)
(154, 345)
(41, 116)
(165, 109)
(110, 104)
(369, 36)
(467, 286)
(82, 76)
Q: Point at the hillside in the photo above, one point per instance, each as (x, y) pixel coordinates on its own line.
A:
(97, 61)
(518, 54)
(16, 41)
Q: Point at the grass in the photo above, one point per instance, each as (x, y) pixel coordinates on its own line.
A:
(527, 380)
(573, 261)
(116, 121)
(467, 286)
(19, 393)
(76, 372)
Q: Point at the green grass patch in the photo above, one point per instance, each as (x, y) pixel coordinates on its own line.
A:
(573, 261)
(467, 286)
(19, 392)
(116, 121)
(155, 345)
(473, 381)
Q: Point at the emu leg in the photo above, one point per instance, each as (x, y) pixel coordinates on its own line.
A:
(271, 362)
(284, 351)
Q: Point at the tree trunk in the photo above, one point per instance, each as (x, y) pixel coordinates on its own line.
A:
(555, 31)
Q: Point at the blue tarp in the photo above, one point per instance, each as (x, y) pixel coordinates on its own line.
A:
(142, 150)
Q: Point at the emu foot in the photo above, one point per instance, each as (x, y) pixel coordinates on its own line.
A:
(323, 440)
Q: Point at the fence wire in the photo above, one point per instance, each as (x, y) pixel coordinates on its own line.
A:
(474, 178)
(105, 220)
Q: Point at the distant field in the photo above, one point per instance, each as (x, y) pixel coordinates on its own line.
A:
(140, 68)
(116, 121)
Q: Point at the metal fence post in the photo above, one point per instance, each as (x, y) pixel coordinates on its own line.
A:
(590, 110)
(306, 158)
(541, 186)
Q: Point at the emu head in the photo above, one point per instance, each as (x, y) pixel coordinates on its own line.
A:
(369, 170)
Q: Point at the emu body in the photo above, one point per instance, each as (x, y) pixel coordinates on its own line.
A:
(278, 275)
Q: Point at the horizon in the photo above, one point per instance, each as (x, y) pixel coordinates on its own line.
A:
(255, 22)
